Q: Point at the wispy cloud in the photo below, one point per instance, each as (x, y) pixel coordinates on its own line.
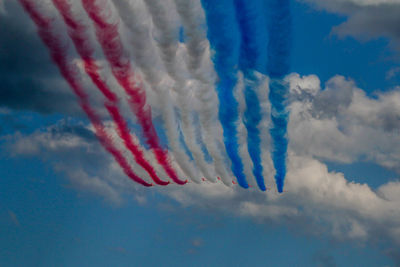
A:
(14, 218)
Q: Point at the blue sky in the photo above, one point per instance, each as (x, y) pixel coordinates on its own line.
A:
(317, 51)
(55, 225)
(49, 219)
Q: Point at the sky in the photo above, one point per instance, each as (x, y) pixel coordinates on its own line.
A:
(64, 201)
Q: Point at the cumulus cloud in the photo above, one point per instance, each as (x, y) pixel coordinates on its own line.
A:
(341, 123)
(366, 18)
(353, 126)
(30, 80)
(317, 201)
(338, 123)
(25, 86)
(73, 150)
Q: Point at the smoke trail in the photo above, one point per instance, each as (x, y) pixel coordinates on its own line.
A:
(168, 45)
(190, 136)
(173, 136)
(197, 45)
(200, 67)
(278, 66)
(108, 36)
(252, 42)
(225, 41)
(56, 49)
(78, 33)
(167, 40)
(125, 135)
(248, 166)
(146, 58)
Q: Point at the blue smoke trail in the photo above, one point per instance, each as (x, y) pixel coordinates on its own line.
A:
(252, 56)
(278, 66)
(225, 41)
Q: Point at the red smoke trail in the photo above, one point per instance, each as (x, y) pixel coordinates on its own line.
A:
(108, 36)
(58, 55)
(123, 131)
(77, 32)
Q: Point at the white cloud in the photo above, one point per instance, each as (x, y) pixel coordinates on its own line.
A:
(366, 18)
(82, 181)
(74, 151)
(339, 123)
(316, 201)
(361, 3)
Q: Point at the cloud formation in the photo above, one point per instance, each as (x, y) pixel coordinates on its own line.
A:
(341, 123)
(317, 201)
(366, 19)
(25, 86)
(337, 123)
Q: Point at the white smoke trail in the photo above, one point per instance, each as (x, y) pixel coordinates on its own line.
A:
(197, 45)
(264, 127)
(242, 132)
(145, 54)
(188, 130)
(201, 68)
(79, 29)
(168, 45)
